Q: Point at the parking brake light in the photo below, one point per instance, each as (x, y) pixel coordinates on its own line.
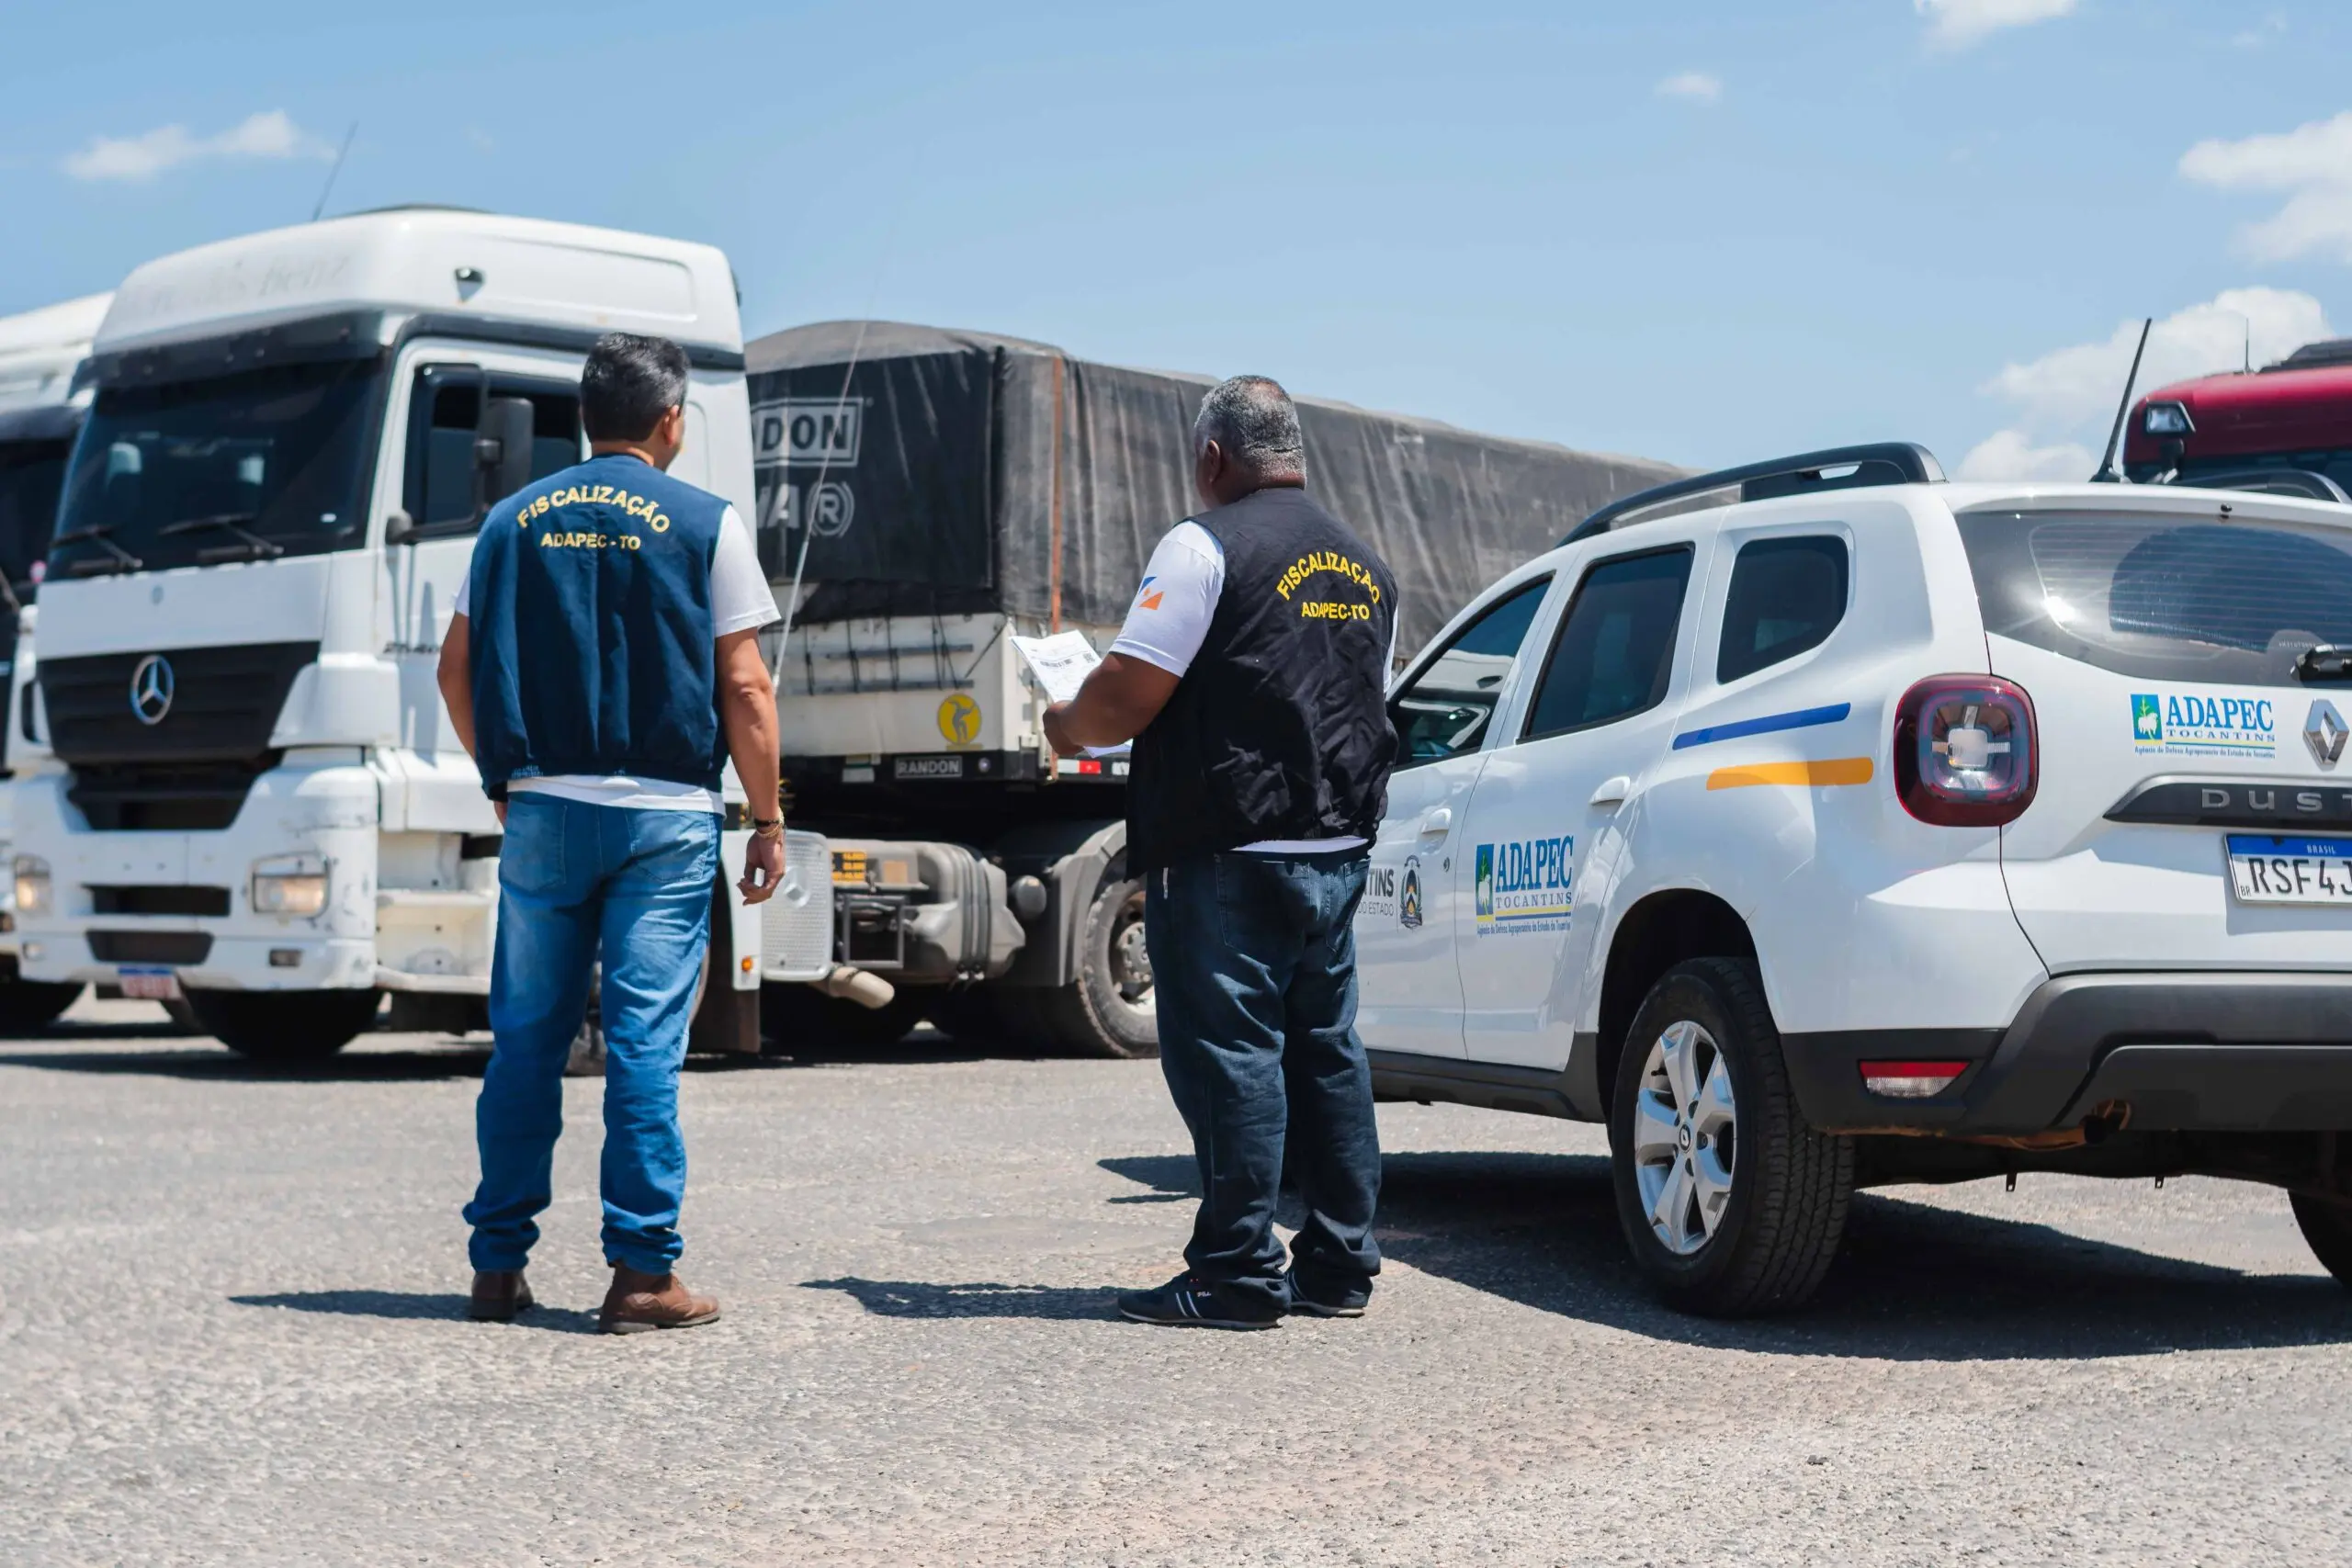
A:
(1966, 752)
(1910, 1080)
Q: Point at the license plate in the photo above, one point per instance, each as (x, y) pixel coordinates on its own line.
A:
(148, 985)
(2265, 869)
(927, 768)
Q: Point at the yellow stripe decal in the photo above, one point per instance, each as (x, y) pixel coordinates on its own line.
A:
(1836, 771)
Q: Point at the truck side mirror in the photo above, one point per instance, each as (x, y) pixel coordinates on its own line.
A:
(400, 528)
(502, 446)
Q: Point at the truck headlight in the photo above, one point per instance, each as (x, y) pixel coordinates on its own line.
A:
(33, 885)
(289, 884)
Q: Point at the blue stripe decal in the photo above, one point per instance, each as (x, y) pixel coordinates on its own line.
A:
(1804, 719)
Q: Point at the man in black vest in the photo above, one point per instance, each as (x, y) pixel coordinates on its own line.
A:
(1251, 671)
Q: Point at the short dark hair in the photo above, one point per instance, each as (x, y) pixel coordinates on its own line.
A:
(1254, 422)
(629, 383)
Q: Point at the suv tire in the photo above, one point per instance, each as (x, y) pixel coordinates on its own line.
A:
(1753, 1200)
(2327, 1224)
(283, 1027)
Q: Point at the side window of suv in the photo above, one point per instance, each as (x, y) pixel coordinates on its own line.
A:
(1787, 595)
(1615, 648)
(1444, 711)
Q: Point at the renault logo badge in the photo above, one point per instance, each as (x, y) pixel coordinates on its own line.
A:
(150, 693)
(2324, 732)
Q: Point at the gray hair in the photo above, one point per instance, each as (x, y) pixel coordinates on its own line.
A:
(1253, 421)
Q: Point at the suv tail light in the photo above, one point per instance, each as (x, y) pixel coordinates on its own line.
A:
(1966, 754)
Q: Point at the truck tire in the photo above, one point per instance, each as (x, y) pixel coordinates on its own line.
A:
(1732, 1205)
(284, 1026)
(28, 1006)
(1108, 1010)
(801, 1018)
(2327, 1224)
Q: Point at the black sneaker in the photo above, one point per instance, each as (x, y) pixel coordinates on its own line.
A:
(1346, 1301)
(1190, 1301)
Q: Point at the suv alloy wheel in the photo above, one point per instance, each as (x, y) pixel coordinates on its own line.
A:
(1732, 1205)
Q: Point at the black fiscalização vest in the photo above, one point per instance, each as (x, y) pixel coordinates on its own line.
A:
(1280, 729)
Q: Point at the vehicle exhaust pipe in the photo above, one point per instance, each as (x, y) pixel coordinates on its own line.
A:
(862, 987)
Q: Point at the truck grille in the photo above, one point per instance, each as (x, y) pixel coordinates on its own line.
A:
(119, 899)
(151, 947)
(225, 702)
(166, 798)
(797, 925)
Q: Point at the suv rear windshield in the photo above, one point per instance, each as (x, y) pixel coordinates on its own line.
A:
(235, 467)
(2161, 598)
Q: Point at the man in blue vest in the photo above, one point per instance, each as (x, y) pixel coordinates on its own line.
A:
(1251, 673)
(601, 668)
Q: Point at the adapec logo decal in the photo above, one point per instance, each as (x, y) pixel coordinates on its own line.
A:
(959, 719)
(1409, 899)
(2190, 724)
(1525, 885)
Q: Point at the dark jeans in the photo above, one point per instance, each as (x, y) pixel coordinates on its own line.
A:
(1253, 963)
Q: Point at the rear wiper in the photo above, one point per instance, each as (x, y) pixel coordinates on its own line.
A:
(228, 522)
(95, 534)
(2324, 662)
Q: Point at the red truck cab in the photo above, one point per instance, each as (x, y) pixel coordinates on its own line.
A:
(2296, 414)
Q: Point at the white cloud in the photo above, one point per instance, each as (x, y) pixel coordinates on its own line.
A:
(1698, 86)
(270, 134)
(2011, 455)
(1956, 24)
(2073, 391)
(2311, 164)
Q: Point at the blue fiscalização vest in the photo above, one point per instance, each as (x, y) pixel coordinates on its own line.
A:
(589, 609)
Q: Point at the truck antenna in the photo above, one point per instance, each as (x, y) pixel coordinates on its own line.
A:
(340, 152)
(2107, 474)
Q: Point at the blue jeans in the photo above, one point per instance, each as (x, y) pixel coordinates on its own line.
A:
(1253, 963)
(573, 876)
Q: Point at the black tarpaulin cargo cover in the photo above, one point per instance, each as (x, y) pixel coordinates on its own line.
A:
(940, 471)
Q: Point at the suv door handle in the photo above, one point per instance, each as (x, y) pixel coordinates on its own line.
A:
(1435, 824)
(1612, 791)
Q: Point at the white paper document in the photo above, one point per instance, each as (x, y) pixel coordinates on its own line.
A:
(1061, 663)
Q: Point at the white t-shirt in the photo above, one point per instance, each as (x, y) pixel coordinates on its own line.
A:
(741, 599)
(1168, 621)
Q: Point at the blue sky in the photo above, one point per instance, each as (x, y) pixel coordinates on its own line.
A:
(1691, 229)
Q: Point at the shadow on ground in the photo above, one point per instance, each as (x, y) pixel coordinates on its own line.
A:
(190, 1057)
(909, 1298)
(412, 1304)
(1915, 1281)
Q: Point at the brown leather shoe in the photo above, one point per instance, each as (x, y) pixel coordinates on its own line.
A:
(499, 1295)
(639, 1302)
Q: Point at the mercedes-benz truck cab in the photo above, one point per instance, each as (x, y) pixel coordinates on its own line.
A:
(44, 396)
(259, 802)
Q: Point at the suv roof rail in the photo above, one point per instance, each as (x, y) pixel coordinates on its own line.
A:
(2302, 482)
(1876, 463)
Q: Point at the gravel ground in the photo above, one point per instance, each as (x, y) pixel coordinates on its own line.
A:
(231, 1331)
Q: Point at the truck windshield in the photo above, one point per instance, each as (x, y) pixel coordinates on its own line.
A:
(31, 473)
(2163, 598)
(247, 466)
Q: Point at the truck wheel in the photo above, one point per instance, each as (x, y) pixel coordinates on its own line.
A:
(1732, 1205)
(2327, 1224)
(28, 1006)
(284, 1026)
(1108, 1011)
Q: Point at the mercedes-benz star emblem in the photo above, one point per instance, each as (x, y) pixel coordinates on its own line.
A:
(2324, 732)
(150, 689)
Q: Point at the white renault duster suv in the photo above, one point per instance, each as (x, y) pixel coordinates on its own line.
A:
(1872, 829)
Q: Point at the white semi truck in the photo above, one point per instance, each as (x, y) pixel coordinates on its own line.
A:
(248, 791)
(43, 395)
